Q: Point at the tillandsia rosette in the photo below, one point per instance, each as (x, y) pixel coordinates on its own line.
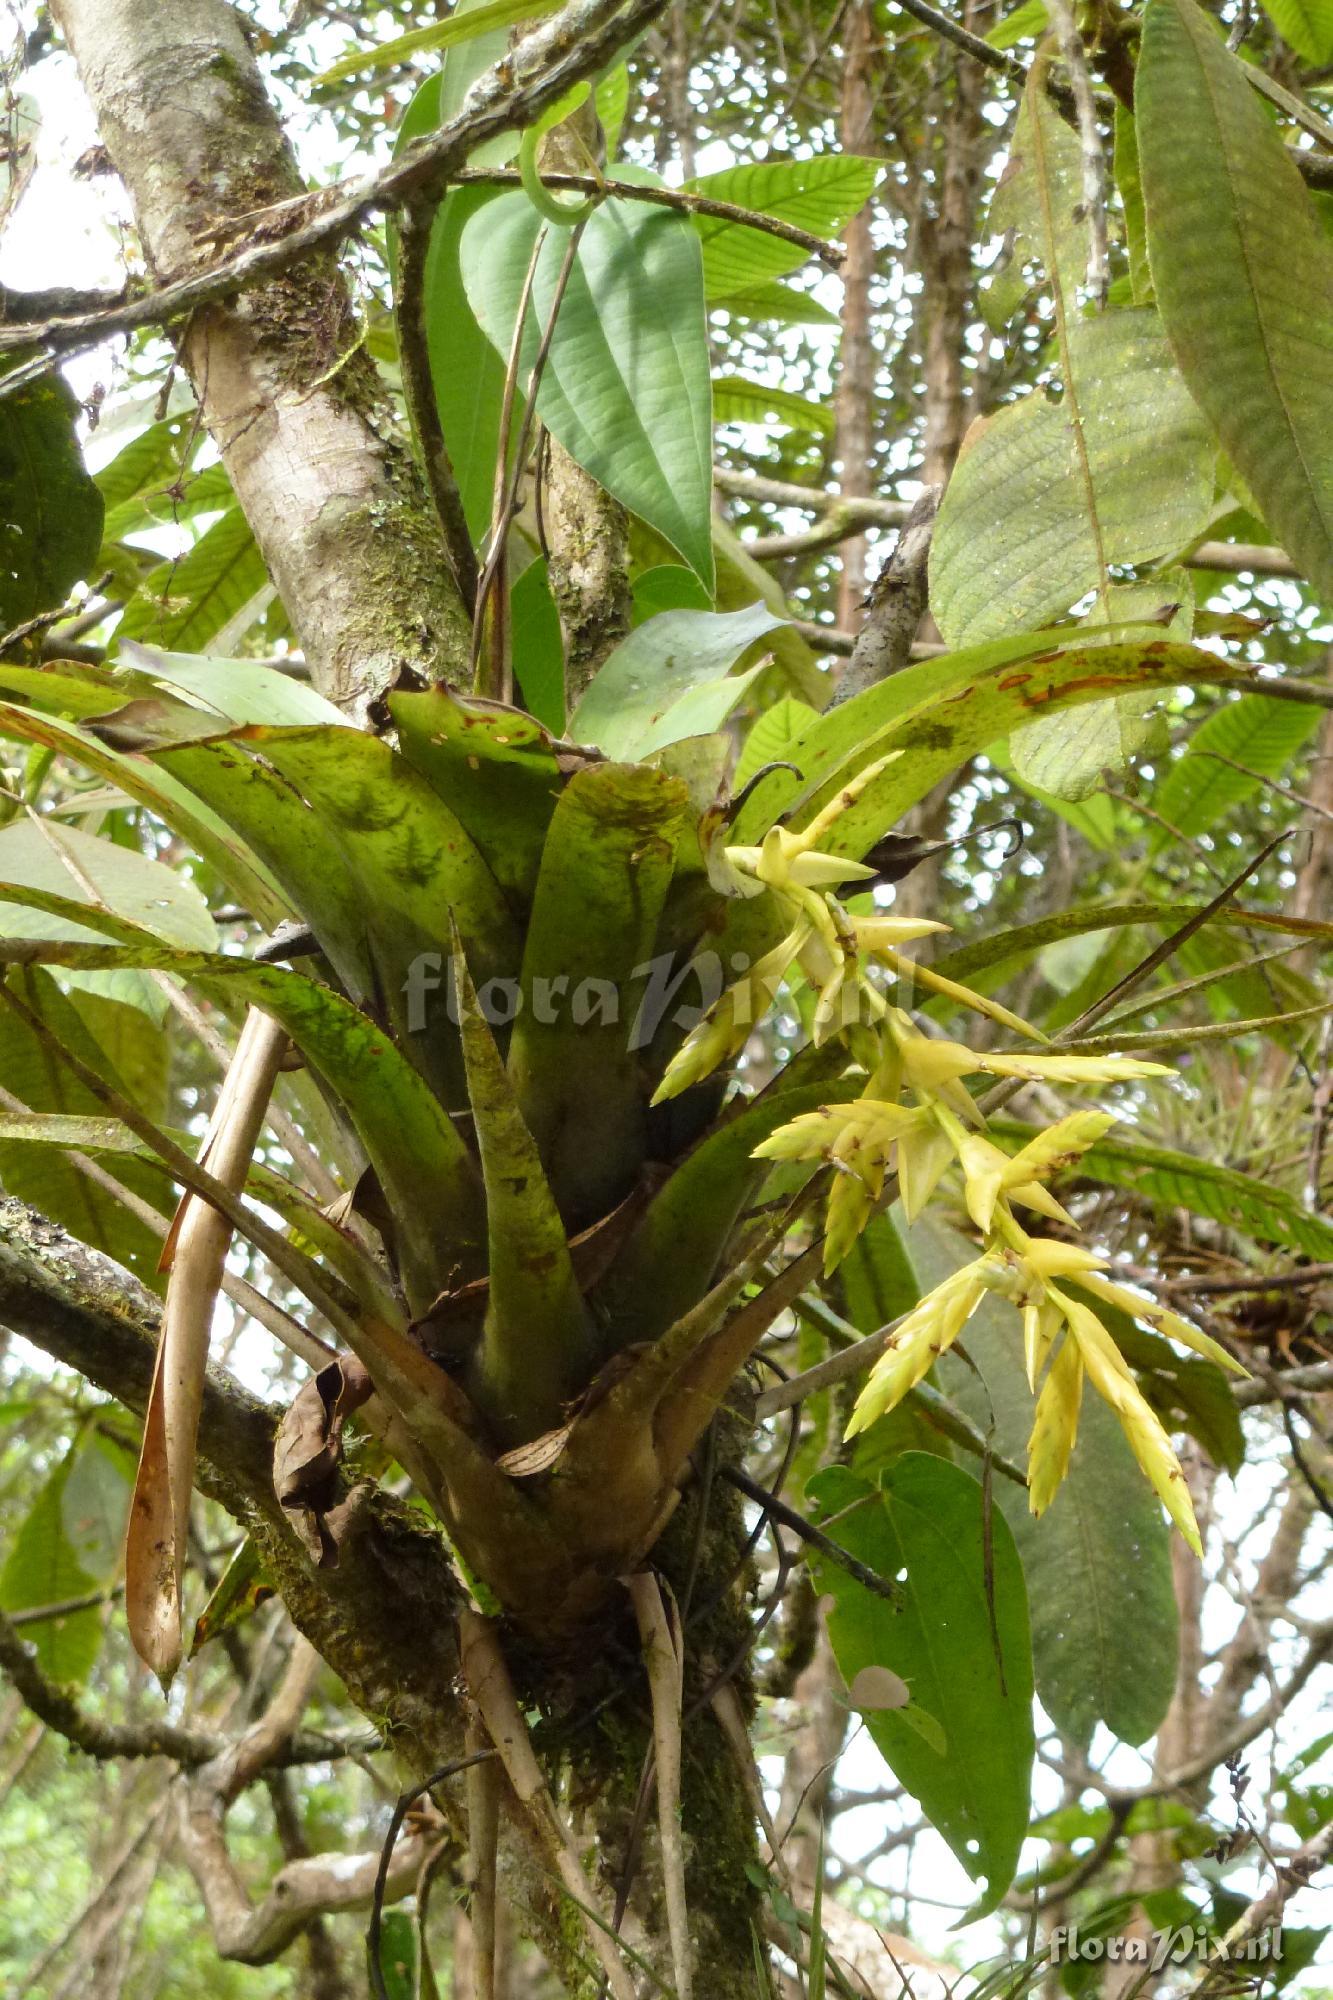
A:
(915, 1119)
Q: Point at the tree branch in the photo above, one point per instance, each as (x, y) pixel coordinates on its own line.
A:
(565, 49)
(843, 517)
(87, 1311)
(897, 605)
(255, 1933)
(59, 1708)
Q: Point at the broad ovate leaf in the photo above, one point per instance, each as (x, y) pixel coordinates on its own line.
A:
(43, 854)
(1306, 26)
(50, 510)
(1047, 493)
(626, 387)
(1037, 209)
(1243, 273)
(819, 194)
(184, 602)
(963, 1746)
(1067, 755)
(666, 658)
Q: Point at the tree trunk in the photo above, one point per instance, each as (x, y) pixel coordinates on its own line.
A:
(290, 397)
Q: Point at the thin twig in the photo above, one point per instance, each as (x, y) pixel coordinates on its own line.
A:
(806, 1531)
(953, 31)
(500, 527)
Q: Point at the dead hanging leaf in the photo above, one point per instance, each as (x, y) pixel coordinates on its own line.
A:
(308, 1451)
(197, 1251)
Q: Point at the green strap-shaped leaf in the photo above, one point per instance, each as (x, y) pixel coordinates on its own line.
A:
(163, 795)
(374, 861)
(537, 1341)
(626, 388)
(425, 1169)
(576, 1050)
(1243, 274)
(1046, 494)
(461, 26)
(671, 1256)
(964, 712)
(1004, 947)
(833, 740)
(495, 767)
(971, 1770)
(50, 510)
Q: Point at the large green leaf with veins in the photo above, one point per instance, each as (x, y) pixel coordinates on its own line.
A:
(626, 387)
(819, 195)
(68, 1546)
(163, 795)
(187, 599)
(1201, 787)
(628, 706)
(1047, 493)
(959, 1640)
(1243, 273)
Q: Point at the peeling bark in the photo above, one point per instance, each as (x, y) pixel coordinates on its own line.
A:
(291, 398)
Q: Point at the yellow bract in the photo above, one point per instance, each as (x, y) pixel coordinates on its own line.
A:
(940, 1124)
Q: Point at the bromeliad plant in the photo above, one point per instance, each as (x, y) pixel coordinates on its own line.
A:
(550, 1264)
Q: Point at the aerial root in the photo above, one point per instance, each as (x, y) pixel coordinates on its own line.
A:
(492, 1692)
(664, 1661)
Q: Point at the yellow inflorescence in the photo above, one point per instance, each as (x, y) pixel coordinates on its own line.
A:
(916, 1116)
